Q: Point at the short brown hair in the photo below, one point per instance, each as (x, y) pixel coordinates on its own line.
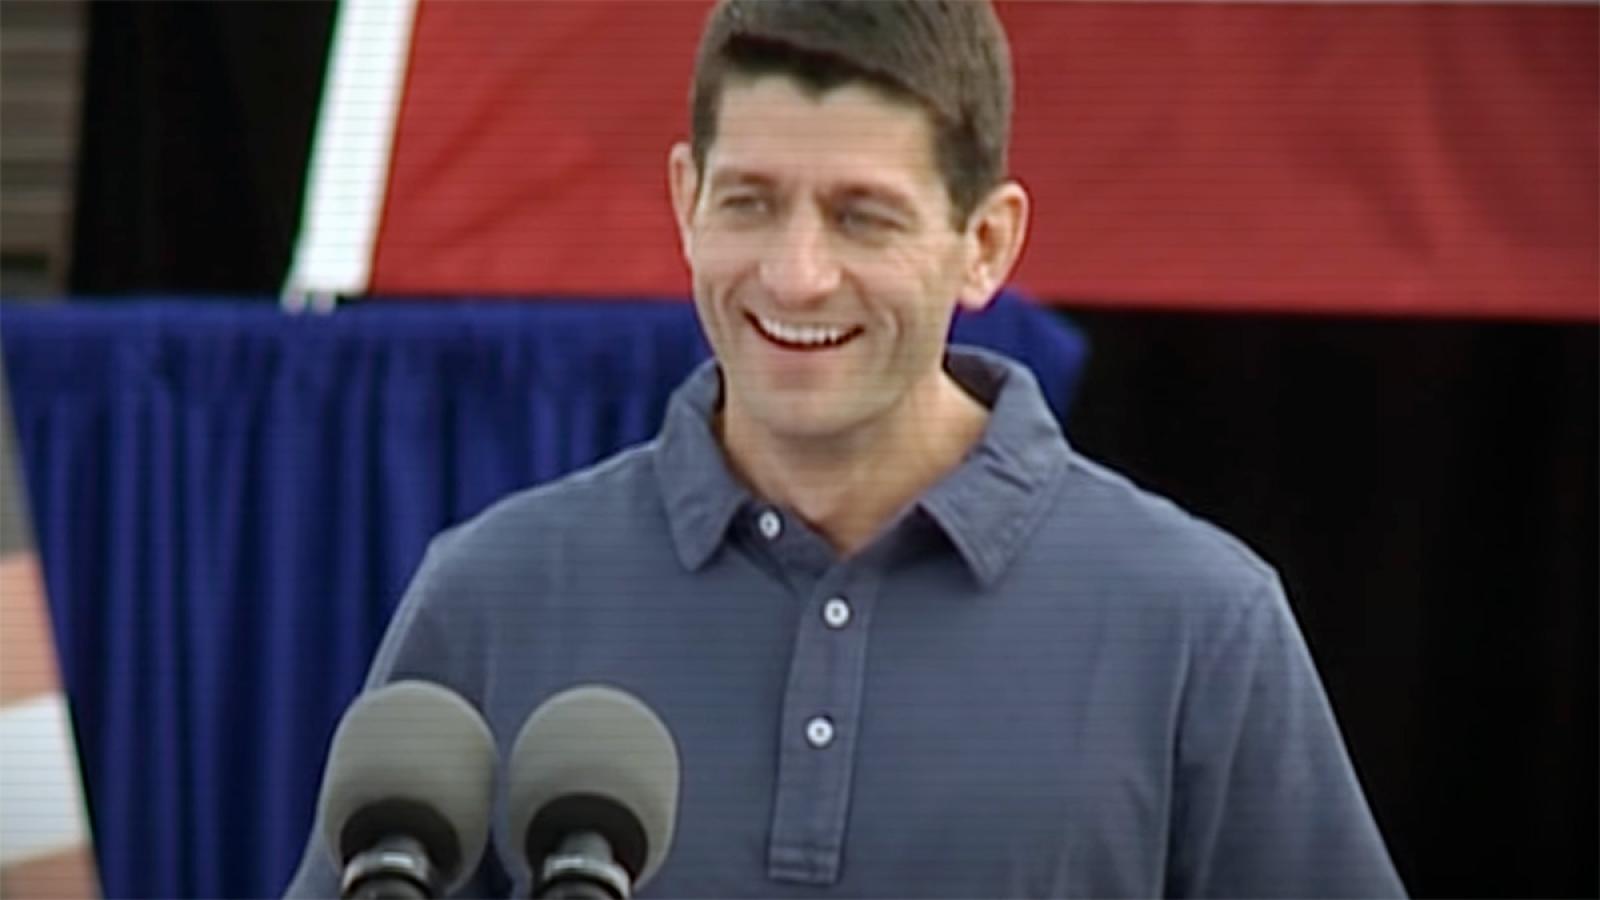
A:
(949, 56)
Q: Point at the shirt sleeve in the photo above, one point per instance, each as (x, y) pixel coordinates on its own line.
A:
(416, 645)
(1267, 802)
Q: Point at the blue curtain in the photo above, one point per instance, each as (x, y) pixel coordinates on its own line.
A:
(230, 501)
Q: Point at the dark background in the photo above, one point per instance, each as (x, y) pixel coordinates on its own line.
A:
(1427, 487)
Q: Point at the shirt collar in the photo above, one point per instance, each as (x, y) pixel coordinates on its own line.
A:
(987, 506)
(697, 485)
(991, 504)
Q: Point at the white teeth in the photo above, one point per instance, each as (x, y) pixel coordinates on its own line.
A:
(809, 335)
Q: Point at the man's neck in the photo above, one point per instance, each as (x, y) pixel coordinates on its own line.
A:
(849, 487)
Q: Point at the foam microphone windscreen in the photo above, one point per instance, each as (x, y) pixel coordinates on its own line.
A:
(411, 759)
(594, 758)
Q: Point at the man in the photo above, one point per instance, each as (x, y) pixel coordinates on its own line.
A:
(909, 643)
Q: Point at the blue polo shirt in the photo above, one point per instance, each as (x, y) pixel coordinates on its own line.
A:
(1037, 681)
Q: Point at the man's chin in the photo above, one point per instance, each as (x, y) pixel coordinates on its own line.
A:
(802, 422)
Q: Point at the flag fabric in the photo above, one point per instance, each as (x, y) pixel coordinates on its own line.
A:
(1389, 158)
(45, 847)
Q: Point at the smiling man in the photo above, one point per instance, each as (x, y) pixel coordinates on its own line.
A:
(908, 641)
(828, 258)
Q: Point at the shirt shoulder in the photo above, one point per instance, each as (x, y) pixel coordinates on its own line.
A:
(584, 522)
(501, 564)
(1117, 535)
(602, 503)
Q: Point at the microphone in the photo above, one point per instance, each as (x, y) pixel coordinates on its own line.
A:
(593, 796)
(406, 796)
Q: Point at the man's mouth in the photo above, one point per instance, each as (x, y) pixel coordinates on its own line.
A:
(799, 336)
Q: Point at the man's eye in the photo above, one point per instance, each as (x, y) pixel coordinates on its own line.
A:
(860, 221)
(742, 203)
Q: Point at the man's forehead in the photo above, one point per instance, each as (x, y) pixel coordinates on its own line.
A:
(774, 129)
(749, 99)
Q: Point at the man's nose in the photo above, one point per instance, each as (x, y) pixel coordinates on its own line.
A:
(799, 266)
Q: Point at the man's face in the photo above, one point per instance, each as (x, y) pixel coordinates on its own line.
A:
(826, 268)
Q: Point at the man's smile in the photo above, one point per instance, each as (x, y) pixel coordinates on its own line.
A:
(800, 336)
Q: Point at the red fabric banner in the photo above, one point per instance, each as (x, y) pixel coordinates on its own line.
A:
(1422, 158)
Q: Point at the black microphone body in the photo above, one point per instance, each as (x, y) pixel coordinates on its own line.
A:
(396, 868)
(583, 868)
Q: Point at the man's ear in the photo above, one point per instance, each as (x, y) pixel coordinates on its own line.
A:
(995, 233)
(683, 180)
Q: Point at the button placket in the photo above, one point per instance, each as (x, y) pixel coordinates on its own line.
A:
(822, 711)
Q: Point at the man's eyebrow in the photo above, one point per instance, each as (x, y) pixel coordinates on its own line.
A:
(891, 197)
(726, 178)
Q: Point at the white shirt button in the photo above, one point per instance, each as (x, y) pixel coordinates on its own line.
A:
(819, 732)
(770, 524)
(836, 613)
